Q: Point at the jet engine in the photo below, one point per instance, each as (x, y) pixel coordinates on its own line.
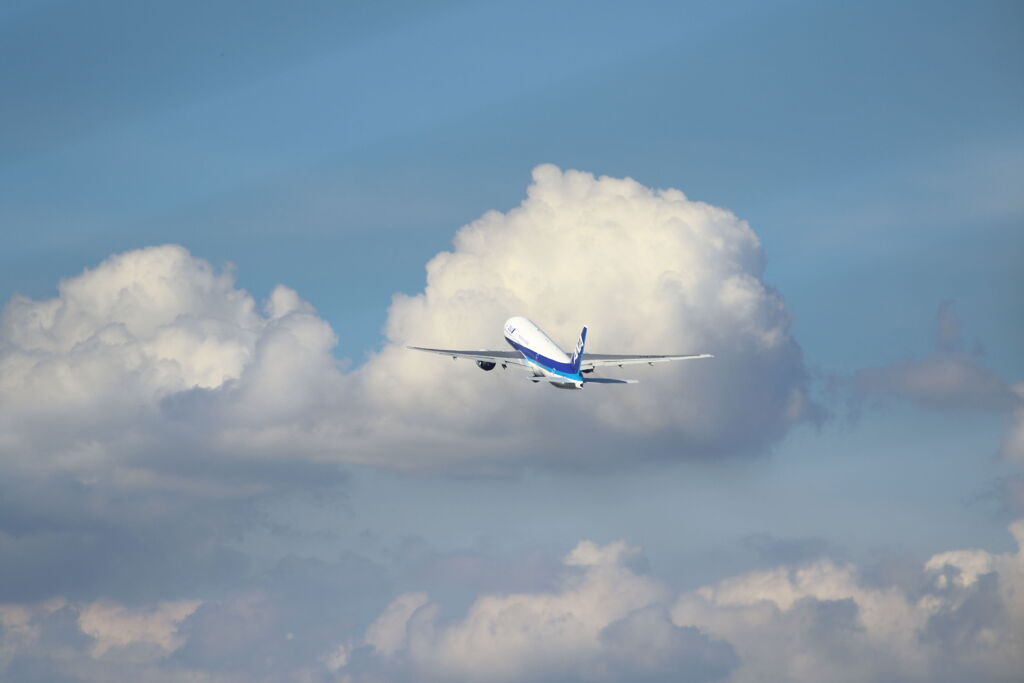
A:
(485, 365)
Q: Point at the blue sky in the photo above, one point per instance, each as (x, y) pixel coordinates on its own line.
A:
(875, 149)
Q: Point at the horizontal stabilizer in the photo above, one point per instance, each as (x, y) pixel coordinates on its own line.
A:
(608, 380)
(553, 380)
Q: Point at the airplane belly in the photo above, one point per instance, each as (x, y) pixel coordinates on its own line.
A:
(567, 384)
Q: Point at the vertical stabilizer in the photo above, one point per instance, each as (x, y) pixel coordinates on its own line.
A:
(577, 356)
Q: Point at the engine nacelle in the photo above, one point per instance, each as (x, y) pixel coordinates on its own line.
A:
(485, 365)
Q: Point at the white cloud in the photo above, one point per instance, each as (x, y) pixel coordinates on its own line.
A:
(157, 313)
(961, 618)
(99, 640)
(154, 350)
(823, 621)
(112, 625)
(150, 349)
(388, 633)
(337, 658)
(803, 623)
(20, 627)
(649, 271)
(808, 622)
(606, 622)
(968, 566)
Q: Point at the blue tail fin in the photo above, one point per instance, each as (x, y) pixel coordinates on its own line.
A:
(577, 356)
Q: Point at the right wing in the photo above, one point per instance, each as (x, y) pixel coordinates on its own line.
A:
(506, 357)
(596, 360)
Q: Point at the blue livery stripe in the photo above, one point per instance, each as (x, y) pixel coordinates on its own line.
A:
(566, 370)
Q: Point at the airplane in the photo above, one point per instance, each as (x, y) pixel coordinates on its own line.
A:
(534, 351)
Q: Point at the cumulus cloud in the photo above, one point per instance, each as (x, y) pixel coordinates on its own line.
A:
(99, 380)
(605, 622)
(387, 634)
(99, 640)
(649, 271)
(824, 621)
(115, 397)
(812, 621)
(155, 347)
(115, 626)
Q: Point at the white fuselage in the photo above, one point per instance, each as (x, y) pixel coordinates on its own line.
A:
(544, 356)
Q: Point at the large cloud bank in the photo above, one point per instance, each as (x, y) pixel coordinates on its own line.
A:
(151, 408)
(961, 618)
(154, 357)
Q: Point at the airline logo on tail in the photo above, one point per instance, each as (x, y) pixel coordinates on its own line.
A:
(577, 356)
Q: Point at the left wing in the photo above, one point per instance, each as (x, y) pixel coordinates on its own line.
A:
(596, 360)
(507, 357)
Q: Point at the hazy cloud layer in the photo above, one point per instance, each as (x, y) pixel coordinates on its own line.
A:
(963, 619)
(951, 379)
(603, 618)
